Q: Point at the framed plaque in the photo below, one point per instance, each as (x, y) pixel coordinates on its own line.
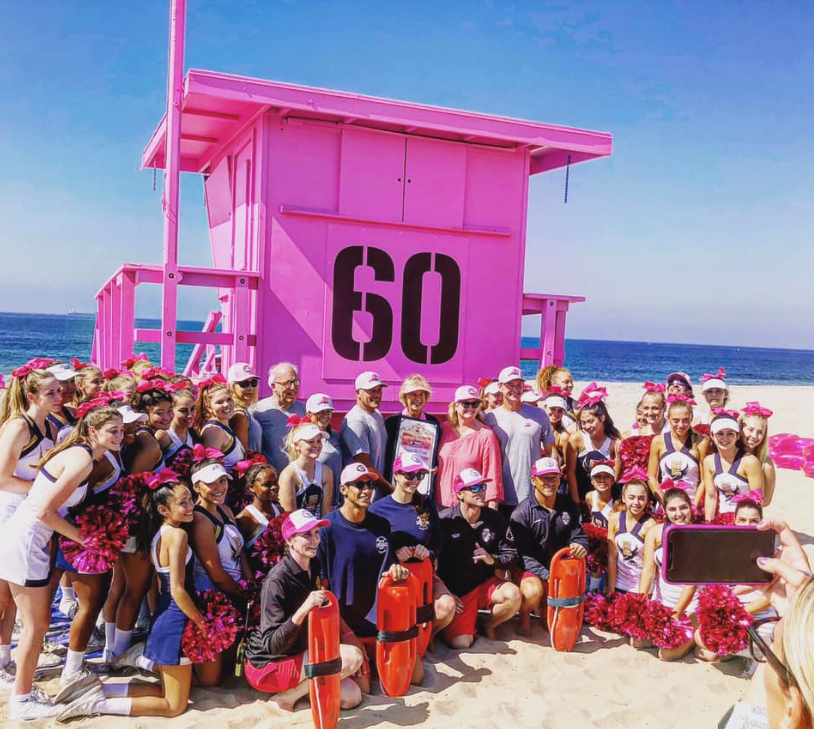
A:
(419, 437)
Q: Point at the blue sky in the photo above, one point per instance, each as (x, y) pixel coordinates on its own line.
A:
(698, 228)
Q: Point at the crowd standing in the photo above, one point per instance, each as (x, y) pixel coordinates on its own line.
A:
(231, 489)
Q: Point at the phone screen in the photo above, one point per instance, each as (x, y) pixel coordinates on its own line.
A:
(708, 555)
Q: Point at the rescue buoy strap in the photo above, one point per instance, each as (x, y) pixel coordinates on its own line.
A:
(566, 601)
(425, 614)
(397, 636)
(326, 668)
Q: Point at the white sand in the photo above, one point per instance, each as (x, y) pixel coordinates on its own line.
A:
(524, 683)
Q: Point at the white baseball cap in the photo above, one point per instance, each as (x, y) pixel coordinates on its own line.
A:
(240, 371)
(130, 416)
(507, 374)
(466, 392)
(318, 402)
(544, 466)
(300, 521)
(62, 372)
(467, 478)
(531, 397)
(493, 388)
(210, 474)
(368, 381)
(353, 472)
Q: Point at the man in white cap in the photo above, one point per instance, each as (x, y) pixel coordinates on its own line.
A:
(319, 409)
(524, 432)
(542, 525)
(362, 434)
(273, 412)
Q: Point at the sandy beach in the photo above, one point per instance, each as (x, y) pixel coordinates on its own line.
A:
(514, 682)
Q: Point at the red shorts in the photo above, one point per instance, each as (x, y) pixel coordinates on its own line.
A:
(518, 575)
(276, 676)
(478, 599)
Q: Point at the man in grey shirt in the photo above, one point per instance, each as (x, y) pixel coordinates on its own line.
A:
(272, 412)
(363, 436)
(523, 431)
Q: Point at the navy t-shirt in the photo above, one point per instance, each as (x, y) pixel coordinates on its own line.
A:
(411, 524)
(353, 558)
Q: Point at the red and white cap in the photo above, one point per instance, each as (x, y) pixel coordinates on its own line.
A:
(240, 371)
(318, 402)
(368, 381)
(299, 522)
(409, 463)
(466, 392)
(531, 397)
(508, 374)
(544, 466)
(353, 472)
(467, 478)
(681, 376)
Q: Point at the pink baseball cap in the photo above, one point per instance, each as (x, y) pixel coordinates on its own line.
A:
(353, 472)
(300, 521)
(683, 376)
(409, 463)
(544, 466)
(368, 380)
(240, 371)
(318, 402)
(467, 478)
(507, 374)
(466, 392)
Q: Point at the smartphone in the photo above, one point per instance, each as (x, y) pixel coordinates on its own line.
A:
(701, 554)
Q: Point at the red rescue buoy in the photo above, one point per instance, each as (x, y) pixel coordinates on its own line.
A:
(421, 570)
(396, 642)
(325, 663)
(566, 599)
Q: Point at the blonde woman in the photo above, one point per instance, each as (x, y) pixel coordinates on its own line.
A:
(243, 384)
(306, 482)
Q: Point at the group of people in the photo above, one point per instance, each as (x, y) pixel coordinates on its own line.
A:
(507, 480)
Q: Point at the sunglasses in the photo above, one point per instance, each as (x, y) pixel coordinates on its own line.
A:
(477, 488)
(470, 404)
(289, 384)
(415, 476)
(249, 383)
(762, 653)
(361, 485)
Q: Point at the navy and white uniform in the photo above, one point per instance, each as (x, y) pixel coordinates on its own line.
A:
(310, 493)
(586, 459)
(230, 546)
(630, 549)
(599, 516)
(262, 521)
(255, 436)
(25, 550)
(167, 627)
(70, 419)
(728, 483)
(233, 452)
(666, 593)
(176, 444)
(161, 463)
(679, 465)
(38, 445)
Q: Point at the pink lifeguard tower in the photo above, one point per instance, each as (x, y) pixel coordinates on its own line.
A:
(348, 233)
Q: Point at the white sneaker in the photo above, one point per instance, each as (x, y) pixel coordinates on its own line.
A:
(68, 607)
(76, 685)
(84, 705)
(31, 709)
(40, 695)
(7, 675)
(128, 658)
(57, 649)
(48, 660)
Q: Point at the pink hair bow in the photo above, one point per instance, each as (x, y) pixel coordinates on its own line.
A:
(140, 357)
(754, 408)
(727, 413)
(241, 467)
(165, 475)
(86, 407)
(200, 453)
(681, 398)
(592, 395)
(637, 473)
(217, 379)
(719, 375)
(755, 495)
(152, 372)
(484, 381)
(668, 484)
(555, 390)
(78, 364)
(295, 420)
(653, 386)
(146, 385)
(612, 464)
(38, 363)
(110, 374)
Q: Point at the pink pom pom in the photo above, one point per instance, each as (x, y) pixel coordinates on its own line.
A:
(104, 533)
(268, 549)
(598, 608)
(222, 625)
(597, 560)
(124, 496)
(663, 628)
(722, 620)
(626, 617)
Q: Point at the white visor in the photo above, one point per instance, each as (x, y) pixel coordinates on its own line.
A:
(724, 424)
(602, 468)
(130, 416)
(556, 401)
(309, 431)
(210, 474)
(714, 383)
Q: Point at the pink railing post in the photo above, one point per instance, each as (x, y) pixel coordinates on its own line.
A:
(175, 81)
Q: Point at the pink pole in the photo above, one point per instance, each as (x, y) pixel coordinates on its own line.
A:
(172, 181)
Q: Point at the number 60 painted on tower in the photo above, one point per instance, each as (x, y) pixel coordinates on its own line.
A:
(347, 301)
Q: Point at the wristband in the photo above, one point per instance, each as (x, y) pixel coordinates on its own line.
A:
(349, 634)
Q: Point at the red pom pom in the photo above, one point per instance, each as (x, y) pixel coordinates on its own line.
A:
(181, 462)
(250, 592)
(627, 616)
(597, 560)
(104, 533)
(722, 620)
(635, 452)
(727, 519)
(268, 549)
(598, 609)
(124, 496)
(222, 624)
(663, 628)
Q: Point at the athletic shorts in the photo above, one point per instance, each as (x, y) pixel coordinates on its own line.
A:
(277, 676)
(478, 599)
(518, 575)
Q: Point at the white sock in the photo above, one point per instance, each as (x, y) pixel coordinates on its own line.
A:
(68, 593)
(73, 661)
(5, 655)
(122, 641)
(21, 697)
(110, 635)
(118, 705)
(145, 664)
(116, 689)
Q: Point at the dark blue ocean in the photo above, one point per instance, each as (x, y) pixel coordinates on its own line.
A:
(23, 336)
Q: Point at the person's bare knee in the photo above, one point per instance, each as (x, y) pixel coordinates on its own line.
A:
(352, 659)
(350, 695)
(461, 641)
(444, 609)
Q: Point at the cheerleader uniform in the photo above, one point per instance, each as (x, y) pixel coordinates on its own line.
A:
(234, 452)
(309, 494)
(261, 519)
(599, 517)
(729, 483)
(161, 463)
(230, 546)
(586, 459)
(38, 445)
(177, 445)
(25, 550)
(630, 548)
(679, 465)
(666, 593)
(168, 623)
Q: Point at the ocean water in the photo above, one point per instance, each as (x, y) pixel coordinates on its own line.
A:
(23, 336)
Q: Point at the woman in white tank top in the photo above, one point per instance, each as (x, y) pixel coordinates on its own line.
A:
(306, 483)
(626, 534)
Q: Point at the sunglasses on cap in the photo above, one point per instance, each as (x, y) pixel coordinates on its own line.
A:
(469, 404)
(414, 476)
(476, 489)
(252, 382)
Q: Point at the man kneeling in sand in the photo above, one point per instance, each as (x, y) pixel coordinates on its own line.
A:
(476, 544)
